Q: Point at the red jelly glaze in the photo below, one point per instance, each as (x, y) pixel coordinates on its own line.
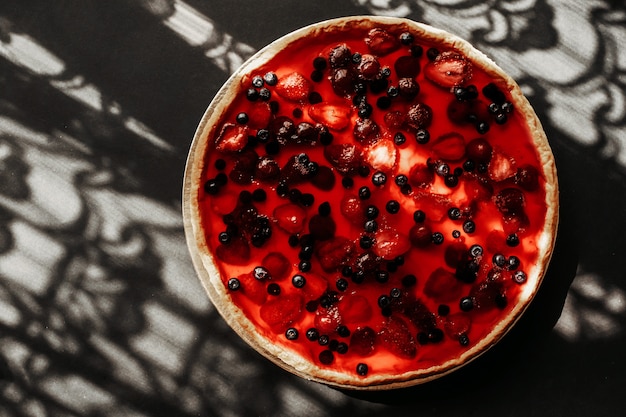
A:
(510, 140)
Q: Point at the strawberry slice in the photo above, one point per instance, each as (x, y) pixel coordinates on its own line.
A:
(355, 309)
(290, 217)
(390, 244)
(293, 87)
(259, 115)
(327, 319)
(407, 66)
(477, 189)
(277, 264)
(457, 324)
(232, 138)
(345, 157)
(501, 167)
(315, 286)
(253, 288)
(449, 69)
(236, 252)
(363, 341)
(382, 155)
(443, 286)
(396, 337)
(449, 147)
(334, 115)
(380, 42)
(335, 252)
(282, 311)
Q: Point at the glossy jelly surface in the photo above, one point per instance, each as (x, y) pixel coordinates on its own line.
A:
(373, 201)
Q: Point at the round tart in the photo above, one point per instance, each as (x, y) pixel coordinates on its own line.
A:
(370, 202)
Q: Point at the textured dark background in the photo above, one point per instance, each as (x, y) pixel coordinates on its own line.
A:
(101, 313)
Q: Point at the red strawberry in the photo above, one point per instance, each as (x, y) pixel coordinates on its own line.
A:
(277, 264)
(449, 147)
(443, 286)
(355, 309)
(334, 253)
(435, 205)
(290, 217)
(252, 288)
(477, 189)
(396, 337)
(366, 131)
(315, 286)
(259, 115)
(345, 157)
(449, 69)
(282, 311)
(501, 167)
(236, 252)
(382, 155)
(457, 324)
(381, 42)
(363, 341)
(515, 223)
(390, 244)
(352, 209)
(487, 294)
(327, 319)
(527, 177)
(232, 138)
(335, 116)
(421, 175)
(496, 241)
(293, 87)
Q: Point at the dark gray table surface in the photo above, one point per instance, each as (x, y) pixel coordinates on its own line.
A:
(101, 313)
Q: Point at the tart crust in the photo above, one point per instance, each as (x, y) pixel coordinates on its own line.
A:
(205, 262)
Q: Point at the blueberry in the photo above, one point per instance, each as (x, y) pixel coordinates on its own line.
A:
(466, 304)
(409, 280)
(512, 240)
(362, 369)
(270, 79)
(343, 331)
(364, 193)
(499, 260)
(341, 284)
(298, 281)
(326, 357)
(437, 238)
(312, 334)
(454, 213)
(399, 138)
(422, 136)
(320, 63)
(234, 284)
(469, 226)
(371, 212)
(257, 81)
(392, 206)
(379, 178)
(419, 216)
(291, 333)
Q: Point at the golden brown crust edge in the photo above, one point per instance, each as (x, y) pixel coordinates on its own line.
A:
(208, 272)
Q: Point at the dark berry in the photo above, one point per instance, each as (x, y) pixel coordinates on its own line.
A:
(259, 195)
(320, 63)
(317, 76)
(265, 94)
(366, 242)
(437, 238)
(469, 226)
(456, 234)
(371, 212)
(493, 93)
(273, 289)
(419, 216)
(519, 277)
(261, 273)
(451, 181)
(383, 102)
(443, 310)
(341, 284)
(432, 53)
(466, 304)
(454, 213)
(392, 206)
(364, 193)
(384, 301)
(347, 182)
(323, 340)
(370, 226)
(252, 94)
(326, 357)
(312, 334)
(291, 334)
(257, 81)
(417, 51)
(224, 237)
(314, 97)
(513, 263)
(324, 209)
(499, 260)
(393, 91)
(343, 331)
(409, 280)
(406, 38)
(382, 276)
(211, 187)
(512, 240)
(379, 178)
(362, 369)
(464, 340)
(234, 284)
(476, 251)
(270, 79)
(482, 127)
(422, 136)
(399, 138)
